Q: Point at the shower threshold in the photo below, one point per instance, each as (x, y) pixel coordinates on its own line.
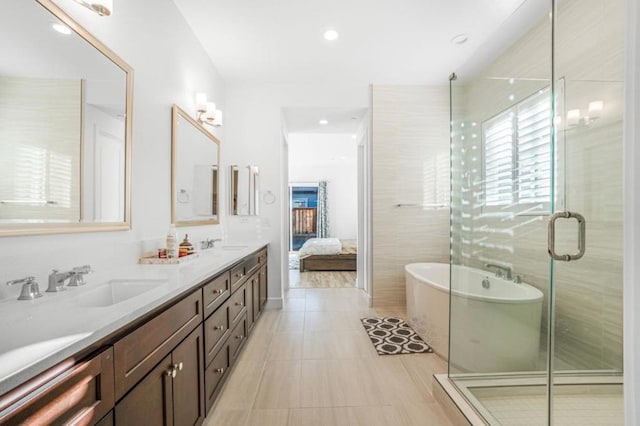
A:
(585, 398)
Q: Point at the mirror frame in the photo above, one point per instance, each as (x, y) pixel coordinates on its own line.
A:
(21, 229)
(176, 112)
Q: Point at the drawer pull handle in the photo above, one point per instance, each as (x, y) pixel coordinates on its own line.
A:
(240, 337)
(239, 304)
(218, 291)
(219, 327)
(219, 370)
(180, 366)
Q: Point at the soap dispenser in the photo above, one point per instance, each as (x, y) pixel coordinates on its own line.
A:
(186, 248)
(172, 242)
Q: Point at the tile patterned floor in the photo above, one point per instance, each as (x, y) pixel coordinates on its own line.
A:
(311, 363)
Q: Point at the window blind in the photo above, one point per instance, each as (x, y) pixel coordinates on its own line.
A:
(517, 153)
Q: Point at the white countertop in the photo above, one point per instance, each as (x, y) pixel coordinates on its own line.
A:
(38, 334)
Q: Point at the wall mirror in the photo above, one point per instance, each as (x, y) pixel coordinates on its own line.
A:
(244, 191)
(195, 162)
(65, 125)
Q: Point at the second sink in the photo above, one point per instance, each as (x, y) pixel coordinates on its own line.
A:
(117, 291)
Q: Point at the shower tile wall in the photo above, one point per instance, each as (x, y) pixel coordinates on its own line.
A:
(588, 296)
(410, 158)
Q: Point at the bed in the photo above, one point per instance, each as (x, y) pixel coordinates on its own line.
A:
(328, 254)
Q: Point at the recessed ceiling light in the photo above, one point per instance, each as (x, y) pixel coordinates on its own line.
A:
(323, 122)
(460, 39)
(62, 29)
(331, 35)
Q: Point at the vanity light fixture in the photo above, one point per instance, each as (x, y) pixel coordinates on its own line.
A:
(206, 112)
(101, 7)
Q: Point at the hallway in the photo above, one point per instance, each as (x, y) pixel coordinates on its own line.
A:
(311, 363)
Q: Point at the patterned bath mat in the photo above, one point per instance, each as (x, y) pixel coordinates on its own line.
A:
(391, 336)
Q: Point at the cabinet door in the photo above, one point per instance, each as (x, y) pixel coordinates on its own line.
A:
(82, 395)
(263, 286)
(249, 299)
(188, 383)
(255, 284)
(150, 402)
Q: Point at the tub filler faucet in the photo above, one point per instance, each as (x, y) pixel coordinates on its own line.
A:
(501, 271)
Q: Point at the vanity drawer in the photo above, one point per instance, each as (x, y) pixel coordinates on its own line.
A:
(215, 292)
(252, 264)
(80, 395)
(236, 339)
(215, 373)
(216, 330)
(237, 275)
(237, 303)
(138, 352)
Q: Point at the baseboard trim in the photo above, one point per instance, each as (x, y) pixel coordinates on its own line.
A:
(274, 303)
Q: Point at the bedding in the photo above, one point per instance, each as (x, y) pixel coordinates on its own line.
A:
(337, 255)
(320, 246)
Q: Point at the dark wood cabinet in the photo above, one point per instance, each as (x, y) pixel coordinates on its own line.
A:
(215, 292)
(166, 368)
(188, 383)
(140, 350)
(215, 374)
(255, 293)
(216, 331)
(172, 393)
(263, 286)
(150, 401)
(82, 395)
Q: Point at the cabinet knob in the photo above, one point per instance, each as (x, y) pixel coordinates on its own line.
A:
(240, 337)
(180, 366)
(219, 370)
(218, 291)
(219, 327)
(239, 304)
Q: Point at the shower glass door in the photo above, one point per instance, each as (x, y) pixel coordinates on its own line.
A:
(501, 197)
(585, 361)
(537, 134)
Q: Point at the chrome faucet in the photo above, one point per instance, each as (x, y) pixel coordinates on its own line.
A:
(209, 243)
(57, 279)
(77, 275)
(30, 289)
(501, 271)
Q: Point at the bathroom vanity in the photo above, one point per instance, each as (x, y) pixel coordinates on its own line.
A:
(160, 357)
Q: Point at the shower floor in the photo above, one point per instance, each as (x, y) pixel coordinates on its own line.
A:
(587, 400)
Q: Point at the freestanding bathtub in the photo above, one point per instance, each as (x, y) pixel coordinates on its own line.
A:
(495, 326)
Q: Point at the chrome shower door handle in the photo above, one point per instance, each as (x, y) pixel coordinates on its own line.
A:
(582, 230)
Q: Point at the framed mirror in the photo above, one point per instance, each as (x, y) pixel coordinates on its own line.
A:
(65, 125)
(195, 165)
(244, 190)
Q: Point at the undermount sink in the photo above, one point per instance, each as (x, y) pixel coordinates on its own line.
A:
(117, 291)
(233, 247)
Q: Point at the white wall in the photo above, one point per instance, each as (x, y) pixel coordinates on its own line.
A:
(332, 158)
(170, 66)
(255, 136)
(410, 165)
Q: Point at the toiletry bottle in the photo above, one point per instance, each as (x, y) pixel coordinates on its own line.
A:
(172, 242)
(186, 248)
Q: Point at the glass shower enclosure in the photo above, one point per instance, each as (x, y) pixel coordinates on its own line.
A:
(536, 220)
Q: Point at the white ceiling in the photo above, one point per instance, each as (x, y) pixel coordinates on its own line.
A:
(307, 120)
(313, 149)
(381, 42)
